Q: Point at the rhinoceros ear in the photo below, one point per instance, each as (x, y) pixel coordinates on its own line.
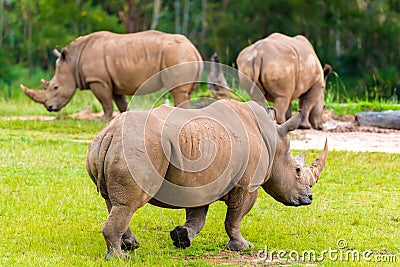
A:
(272, 112)
(327, 71)
(64, 53)
(61, 55)
(56, 53)
(301, 158)
(290, 125)
(44, 83)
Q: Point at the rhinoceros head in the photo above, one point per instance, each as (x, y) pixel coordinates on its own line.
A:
(60, 89)
(290, 181)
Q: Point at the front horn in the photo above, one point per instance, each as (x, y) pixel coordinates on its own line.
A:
(318, 165)
(35, 95)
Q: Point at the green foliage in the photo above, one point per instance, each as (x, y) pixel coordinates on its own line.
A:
(52, 214)
(358, 38)
(361, 106)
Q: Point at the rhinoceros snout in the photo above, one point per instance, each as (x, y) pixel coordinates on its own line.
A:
(306, 200)
(301, 201)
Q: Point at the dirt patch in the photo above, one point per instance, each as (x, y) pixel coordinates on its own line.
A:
(244, 259)
(344, 133)
(28, 118)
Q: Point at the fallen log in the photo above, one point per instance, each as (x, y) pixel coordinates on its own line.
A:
(386, 119)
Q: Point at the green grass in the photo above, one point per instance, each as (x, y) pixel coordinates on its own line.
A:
(51, 214)
(361, 106)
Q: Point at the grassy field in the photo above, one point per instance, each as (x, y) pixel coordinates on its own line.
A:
(51, 214)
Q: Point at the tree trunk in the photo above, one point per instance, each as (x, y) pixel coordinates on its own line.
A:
(387, 119)
(1, 21)
(177, 16)
(129, 17)
(156, 12)
(203, 25)
(185, 23)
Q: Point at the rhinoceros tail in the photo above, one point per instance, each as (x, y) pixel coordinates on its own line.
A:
(95, 160)
(256, 67)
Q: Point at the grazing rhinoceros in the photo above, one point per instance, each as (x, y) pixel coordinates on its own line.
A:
(286, 68)
(114, 65)
(182, 158)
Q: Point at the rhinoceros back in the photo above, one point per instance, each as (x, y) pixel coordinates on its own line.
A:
(126, 61)
(198, 155)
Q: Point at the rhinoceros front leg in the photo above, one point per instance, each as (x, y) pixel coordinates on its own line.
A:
(128, 241)
(239, 204)
(104, 94)
(195, 220)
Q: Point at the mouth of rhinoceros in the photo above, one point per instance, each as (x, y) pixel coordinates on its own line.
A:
(301, 201)
(52, 109)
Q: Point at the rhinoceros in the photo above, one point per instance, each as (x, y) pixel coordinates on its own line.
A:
(285, 68)
(115, 65)
(186, 158)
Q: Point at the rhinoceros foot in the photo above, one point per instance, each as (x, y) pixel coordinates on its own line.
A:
(114, 255)
(128, 241)
(304, 126)
(129, 244)
(180, 236)
(237, 245)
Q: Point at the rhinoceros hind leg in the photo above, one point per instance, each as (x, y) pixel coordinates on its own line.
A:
(195, 220)
(129, 241)
(237, 245)
(180, 236)
(114, 228)
(120, 101)
(305, 106)
(289, 111)
(281, 105)
(181, 95)
(112, 254)
(239, 204)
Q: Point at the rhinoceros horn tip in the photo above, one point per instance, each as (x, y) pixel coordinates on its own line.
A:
(36, 96)
(326, 145)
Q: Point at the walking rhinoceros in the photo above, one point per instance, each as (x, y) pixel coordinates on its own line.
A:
(286, 68)
(114, 65)
(182, 158)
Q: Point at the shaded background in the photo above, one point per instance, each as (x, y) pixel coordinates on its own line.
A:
(359, 38)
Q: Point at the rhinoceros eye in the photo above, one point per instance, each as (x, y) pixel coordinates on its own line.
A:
(55, 87)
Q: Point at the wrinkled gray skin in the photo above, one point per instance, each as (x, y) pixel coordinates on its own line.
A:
(286, 68)
(269, 165)
(115, 65)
